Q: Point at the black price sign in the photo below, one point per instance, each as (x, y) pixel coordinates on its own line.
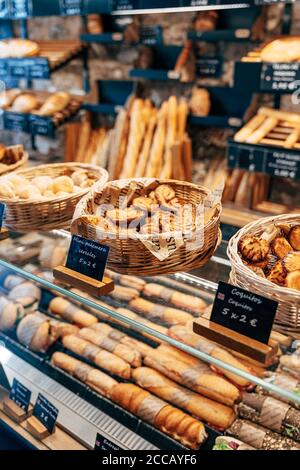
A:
(87, 257)
(282, 77)
(19, 8)
(209, 66)
(248, 314)
(70, 7)
(45, 412)
(20, 395)
(2, 211)
(102, 443)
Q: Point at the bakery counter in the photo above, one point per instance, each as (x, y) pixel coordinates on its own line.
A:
(133, 358)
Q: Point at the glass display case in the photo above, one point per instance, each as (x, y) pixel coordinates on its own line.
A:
(140, 335)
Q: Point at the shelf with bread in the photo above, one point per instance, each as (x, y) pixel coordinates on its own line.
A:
(138, 341)
(178, 63)
(22, 58)
(37, 112)
(272, 67)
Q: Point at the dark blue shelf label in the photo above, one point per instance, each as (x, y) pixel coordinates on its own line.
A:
(70, 7)
(20, 394)
(2, 212)
(280, 77)
(45, 412)
(209, 66)
(15, 122)
(40, 125)
(20, 9)
(151, 35)
(271, 2)
(244, 312)
(35, 67)
(87, 257)
(4, 9)
(272, 161)
(102, 443)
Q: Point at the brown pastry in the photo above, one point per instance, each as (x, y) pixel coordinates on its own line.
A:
(293, 280)
(281, 247)
(278, 274)
(206, 20)
(94, 24)
(200, 103)
(164, 193)
(55, 103)
(145, 204)
(291, 262)
(25, 103)
(167, 315)
(121, 216)
(254, 248)
(7, 97)
(124, 293)
(294, 237)
(285, 49)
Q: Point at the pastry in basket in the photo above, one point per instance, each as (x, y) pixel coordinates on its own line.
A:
(278, 274)
(10, 313)
(55, 103)
(291, 262)
(285, 49)
(254, 248)
(294, 237)
(18, 48)
(281, 247)
(7, 97)
(25, 103)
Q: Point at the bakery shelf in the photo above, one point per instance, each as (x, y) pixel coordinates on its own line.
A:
(274, 161)
(149, 35)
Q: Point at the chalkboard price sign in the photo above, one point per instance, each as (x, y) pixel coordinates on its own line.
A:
(87, 257)
(21, 395)
(45, 412)
(102, 443)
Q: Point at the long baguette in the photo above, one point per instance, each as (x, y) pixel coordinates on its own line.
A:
(213, 413)
(96, 379)
(200, 379)
(98, 356)
(171, 137)
(144, 155)
(168, 419)
(169, 316)
(246, 131)
(155, 160)
(71, 312)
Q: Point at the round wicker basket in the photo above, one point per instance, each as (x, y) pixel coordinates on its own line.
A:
(130, 255)
(288, 313)
(48, 214)
(15, 166)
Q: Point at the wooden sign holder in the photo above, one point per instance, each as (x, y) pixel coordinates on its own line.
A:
(80, 281)
(4, 233)
(37, 429)
(249, 347)
(15, 412)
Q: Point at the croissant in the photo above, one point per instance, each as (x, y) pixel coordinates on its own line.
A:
(213, 413)
(168, 419)
(96, 379)
(100, 357)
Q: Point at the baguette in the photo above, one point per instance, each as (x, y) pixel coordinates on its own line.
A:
(124, 293)
(100, 357)
(127, 281)
(262, 131)
(144, 155)
(129, 355)
(168, 419)
(280, 115)
(171, 137)
(167, 315)
(119, 145)
(208, 347)
(178, 299)
(215, 414)
(251, 126)
(200, 379)
(69, 311)
(155, 160)
(94, 378)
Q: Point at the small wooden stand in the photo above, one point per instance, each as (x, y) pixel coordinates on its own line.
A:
(260, 352)
(4, 233)
(37, 429)
(11, 409)
(80, 281)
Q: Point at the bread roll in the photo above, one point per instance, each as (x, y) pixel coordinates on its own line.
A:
(26, 294)
(7, 97)
(69, 311)
(167, 315)
(168, 419)
(178, 299)
(25, 103)
(10, 313)
(200, 379)
(55, 103)
(100, 357)
(96, 379)
(215, 414)
(124, 293)
(132, 356)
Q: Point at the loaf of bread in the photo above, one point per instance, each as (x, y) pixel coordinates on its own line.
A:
(178, 299)
(71, 313)
(10, 313)
(167, 315)
(155, 411)
(215, 414)
(55, 103)
(94, 378)
(204, 345)
(132, 356)
(100, 357)
(200, 379)
(124, 293)
(127, 281)
(25, 293)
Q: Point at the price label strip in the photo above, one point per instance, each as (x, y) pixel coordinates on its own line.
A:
(102, 443)
(242, 321)
(85, 267)
(281, 77)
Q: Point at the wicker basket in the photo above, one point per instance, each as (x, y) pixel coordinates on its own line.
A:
(288, 313)
(130, 255)
(24, 216)
(15, 166)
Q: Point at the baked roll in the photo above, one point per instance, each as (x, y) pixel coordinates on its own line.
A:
(55, 103)
(215, 414)
(25, 103)
(94, 378)
(10, 313)
(167, 315)
(7, 97)
(124, 293)
(25, 293)
(131, 356)
(198, 378)
(100, 357)
(168, 419)
(68, 311)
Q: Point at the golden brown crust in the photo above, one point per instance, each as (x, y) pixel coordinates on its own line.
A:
(291, 262)
(278, 274)
(294, 237)
(281, 247)
(293, 280)
(254, 248)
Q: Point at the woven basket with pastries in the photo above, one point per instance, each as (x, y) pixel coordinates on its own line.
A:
(265, 259)
(143, 222)
(45, 197)
(12, 158)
